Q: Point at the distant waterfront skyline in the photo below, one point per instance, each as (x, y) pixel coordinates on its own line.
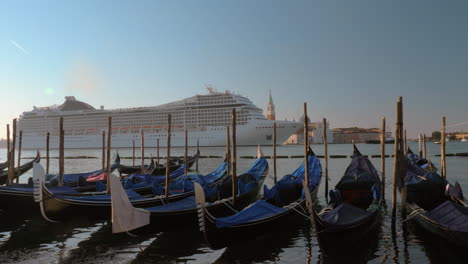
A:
(348, 60)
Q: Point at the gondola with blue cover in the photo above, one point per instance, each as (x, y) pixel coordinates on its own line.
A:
(354, 208)
(158, 169)
(55, 205)
(436, 205)
(22, 169)
(183, 213)
(421, 162)
(282, 205)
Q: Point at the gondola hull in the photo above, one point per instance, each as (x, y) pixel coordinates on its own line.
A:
(429, 225)
(223, 237)
(60, 207)
(17, 173)
(334, 241)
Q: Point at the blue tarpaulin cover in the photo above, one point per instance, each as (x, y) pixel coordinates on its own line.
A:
(344, 215)
(258, 210)
(289, 188)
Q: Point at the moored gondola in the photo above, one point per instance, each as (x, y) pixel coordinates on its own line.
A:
(354, 208)
(282, 205)
(183, 213)
(436, 205)
(98, 206)
(155, 168)
(22, 169)
(421, 162)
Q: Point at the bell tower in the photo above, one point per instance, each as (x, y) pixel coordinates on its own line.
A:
(270, 113)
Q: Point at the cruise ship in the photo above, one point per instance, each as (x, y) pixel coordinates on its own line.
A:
(205, 117)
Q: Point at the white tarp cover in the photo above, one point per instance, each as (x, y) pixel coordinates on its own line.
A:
(125, 217)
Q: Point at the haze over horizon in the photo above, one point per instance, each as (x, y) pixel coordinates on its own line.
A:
(349, 62)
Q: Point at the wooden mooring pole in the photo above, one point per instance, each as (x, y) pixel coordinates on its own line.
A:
(157, 152)
(103, 151)
(168, 156)
(228, 150)
(442, 150)
(186, 151)
(13, 148)
(275, 179)
(306, 145)
(47, 152)
(325, 145)
(20, 143)
(142, 137)
(382, 154)
(61, 152)
(402, 165)
(396, 155)
(109, 147)
(424, 147)
(234, 158)
(133, 153)
(198, 154)
(420, 149)
(9, 154)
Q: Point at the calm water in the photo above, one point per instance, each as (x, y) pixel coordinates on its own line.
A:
(33, 240)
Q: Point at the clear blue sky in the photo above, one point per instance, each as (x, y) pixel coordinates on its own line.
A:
(348, 59)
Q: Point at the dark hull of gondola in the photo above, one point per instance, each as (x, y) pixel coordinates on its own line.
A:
(60, 208)
(18, 202)
(339, 240)
(223, 237)
(23, 168)
(175, 220)
(431, 226)
(160, 170)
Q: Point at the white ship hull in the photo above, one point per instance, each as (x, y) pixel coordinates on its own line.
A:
(247, 135)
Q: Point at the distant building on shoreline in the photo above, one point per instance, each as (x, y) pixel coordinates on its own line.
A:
(315, 133)
(356, 134)
(458, 136)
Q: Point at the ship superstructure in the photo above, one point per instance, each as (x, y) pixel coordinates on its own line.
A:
(204, 116)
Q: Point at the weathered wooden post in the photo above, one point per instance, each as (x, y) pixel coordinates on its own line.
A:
(47, 152)
(228, 150)
(198, 154)
(157, 152)
(185, 150)
(234, 158)
(133, 153)
(402, 161)
(396, 155)
(442, 150)
(420, 150)
(424, 147)
(61, 152)
(142, 135)
(382, 154)
(103, 151)
(306, 145)
(13, 147)
(405, 144)
(20, 143)
(9, 155)
(325, 145)
(109, 147)
(275, 179)
(168, 156)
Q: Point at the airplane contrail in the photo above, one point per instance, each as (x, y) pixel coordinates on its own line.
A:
(458, 124)
(19, 47)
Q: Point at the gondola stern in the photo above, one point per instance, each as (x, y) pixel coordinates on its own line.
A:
(124, 215)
